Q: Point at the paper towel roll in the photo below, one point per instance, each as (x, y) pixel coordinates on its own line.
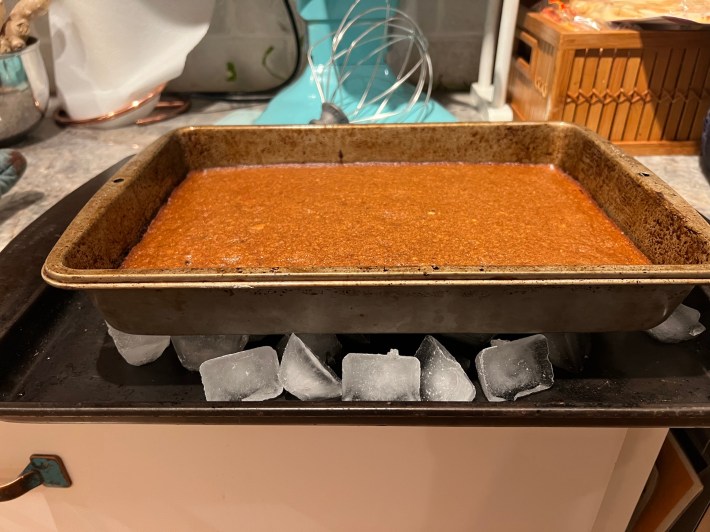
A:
(110, 53)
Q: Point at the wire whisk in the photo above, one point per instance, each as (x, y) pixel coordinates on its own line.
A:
(378, 68)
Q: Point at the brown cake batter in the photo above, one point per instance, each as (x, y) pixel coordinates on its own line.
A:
(381, 215)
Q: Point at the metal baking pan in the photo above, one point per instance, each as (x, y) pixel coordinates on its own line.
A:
(58, 364)
(482, 299)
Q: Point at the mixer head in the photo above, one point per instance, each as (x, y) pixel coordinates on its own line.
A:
(378, 69)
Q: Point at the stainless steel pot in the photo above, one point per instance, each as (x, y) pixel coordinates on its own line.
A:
(24, 92)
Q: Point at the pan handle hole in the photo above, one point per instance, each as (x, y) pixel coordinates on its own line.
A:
(119, 180)
(644, 174)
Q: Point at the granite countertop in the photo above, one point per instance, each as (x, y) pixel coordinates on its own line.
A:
(62, 159)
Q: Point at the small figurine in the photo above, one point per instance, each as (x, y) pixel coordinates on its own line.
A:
(16, 28)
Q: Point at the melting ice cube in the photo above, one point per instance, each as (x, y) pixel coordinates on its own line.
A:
(193, 350)
(250, 375)
(683, 324)
(389, 377)
(442, 377)
(138, 349)
(567, 351)
(515, 369)
(306, 375)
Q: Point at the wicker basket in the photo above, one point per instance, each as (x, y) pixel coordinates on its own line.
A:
(647, 91)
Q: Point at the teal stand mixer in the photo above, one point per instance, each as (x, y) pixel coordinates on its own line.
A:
(367, 63)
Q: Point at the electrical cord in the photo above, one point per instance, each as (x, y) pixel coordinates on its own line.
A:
(260, 96)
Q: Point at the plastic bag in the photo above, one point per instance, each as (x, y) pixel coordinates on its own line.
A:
(608, 14)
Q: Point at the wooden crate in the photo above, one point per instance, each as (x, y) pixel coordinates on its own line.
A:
(647, 91)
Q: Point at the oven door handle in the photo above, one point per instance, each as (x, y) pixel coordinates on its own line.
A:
(43, 470)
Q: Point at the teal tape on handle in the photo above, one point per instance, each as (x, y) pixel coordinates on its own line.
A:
(12, 166)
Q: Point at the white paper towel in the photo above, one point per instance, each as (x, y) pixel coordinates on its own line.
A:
(108, 53)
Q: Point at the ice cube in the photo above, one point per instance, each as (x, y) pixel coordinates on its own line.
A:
(390, 377)
(326, 347)
(306, 375)
(138, 349)
(250, 375)
(193, 350)
(683, 324)
(515, 369)
(567, 351)
(442, 378)
(495, 342)
(323, 346)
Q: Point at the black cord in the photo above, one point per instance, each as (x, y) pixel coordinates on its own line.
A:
(257, 96)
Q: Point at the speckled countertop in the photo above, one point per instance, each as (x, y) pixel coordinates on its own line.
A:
(60, 160)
